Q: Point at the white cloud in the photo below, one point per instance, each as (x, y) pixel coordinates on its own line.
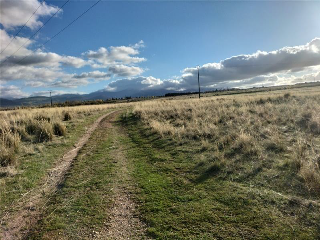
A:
(115, 55)
(47, 59)
(46, 69)
(54, 93)
(93, 75)
(70, 82)
(16, 13)
(142, 83)
(260, 63)
(11, 92)
(30, 73)
(14, 45)
(139, 44)
(125, 71)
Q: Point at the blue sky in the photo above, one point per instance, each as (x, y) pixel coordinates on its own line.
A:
(176, 35)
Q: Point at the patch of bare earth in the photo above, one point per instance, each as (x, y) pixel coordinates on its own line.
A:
(124, 222)
(26, 212)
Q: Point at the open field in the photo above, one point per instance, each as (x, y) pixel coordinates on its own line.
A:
(240, 166)
(258, 128)
(37, 147)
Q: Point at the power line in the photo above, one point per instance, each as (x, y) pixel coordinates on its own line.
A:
(63, 29)
(36, 32)
(71, 23)
(22, 26)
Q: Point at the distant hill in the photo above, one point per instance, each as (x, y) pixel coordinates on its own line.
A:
(8, 103)
(102, 94)
(105, 95)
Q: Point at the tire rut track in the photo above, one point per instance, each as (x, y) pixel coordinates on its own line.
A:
(16, 225)
(124, 222)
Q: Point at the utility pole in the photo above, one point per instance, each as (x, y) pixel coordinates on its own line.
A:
(198, 80)
(51, 97)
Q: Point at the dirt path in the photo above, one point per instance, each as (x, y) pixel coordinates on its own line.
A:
(17, 225)
(124, 223)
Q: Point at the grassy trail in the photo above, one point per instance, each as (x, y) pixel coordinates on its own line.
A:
(17, 223)
(96, 199)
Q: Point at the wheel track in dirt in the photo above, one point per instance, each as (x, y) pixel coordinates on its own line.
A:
(124, 222)
(16, 224)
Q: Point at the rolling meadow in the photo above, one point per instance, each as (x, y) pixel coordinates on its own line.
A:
(220, 167)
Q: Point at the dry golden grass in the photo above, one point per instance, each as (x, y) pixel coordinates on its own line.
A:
(246, 126)
(37, 125)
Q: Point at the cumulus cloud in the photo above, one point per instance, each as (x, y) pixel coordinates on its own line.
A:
(93, 75)
(16, 13)
(241, 67)
(125, 71)
(30, 73)
(15, 44)
(38, 68)
(273, 68)
(48, 59)
(143, 83)
(54, 93)
(46, 69)
(11, 92)
(70, 82)
(115, 55)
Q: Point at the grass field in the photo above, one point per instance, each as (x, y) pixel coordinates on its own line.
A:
(244, 166)
(184, 195)
(240, 166)
(29, 158)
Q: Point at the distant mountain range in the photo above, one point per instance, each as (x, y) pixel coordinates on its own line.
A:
(101, 94)
(105, 95)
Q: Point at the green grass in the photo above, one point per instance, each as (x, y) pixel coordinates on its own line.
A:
(32, 167)
(184, 194)
(79, 207)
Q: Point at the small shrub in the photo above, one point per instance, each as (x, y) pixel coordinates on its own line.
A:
(261, 101)
(31, 127)
(42, 118)
(11, 140)
(66, 116)
(246, 145)
(44, 132)
(23, 134)
(7, 157)
(59, 129)
(311, 177)
(276, 147)
(314, 127)
(287, 95)
(305, 119)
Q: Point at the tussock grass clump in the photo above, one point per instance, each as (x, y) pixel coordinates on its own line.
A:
(287, 95)
(59, 129)
(275, 147)
(31, 127)
(310, 121)
(21, 130)
(245, 144)
(67, 116)
(7, 157)
(42, 118)
(44, 132)
(9, 144)
(11, 140)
